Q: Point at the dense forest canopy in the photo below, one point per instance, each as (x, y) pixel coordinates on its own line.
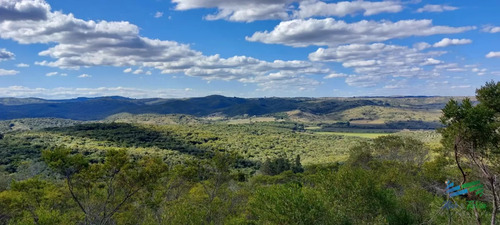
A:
(183, 169)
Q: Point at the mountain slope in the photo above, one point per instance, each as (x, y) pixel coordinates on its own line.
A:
(103, 107)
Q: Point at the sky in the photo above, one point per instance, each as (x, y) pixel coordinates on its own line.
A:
(254, 48)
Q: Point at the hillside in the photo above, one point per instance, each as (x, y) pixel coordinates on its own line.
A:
(103, 107)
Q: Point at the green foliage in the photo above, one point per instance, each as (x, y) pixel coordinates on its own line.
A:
(102, 189)
(34, 124)
(35, 201)
(275, 166)
(390, 148)
(297, 166)
(356, 196)
(288, 204)
(62, 162)
(187, 171)
(471, 133)
(488, 95)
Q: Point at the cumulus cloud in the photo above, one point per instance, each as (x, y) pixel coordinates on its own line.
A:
(335, 75)
(4, 72)
(491, 29)
(436, 8)
(51, 74)
(422, 45)
(84, 76)
(283, 81)
(493, 55)
(76, 43)
(479, 72)
(23, 10)
(138, 71)
(68, 92)
(246, 11)
(128, 70)
(158, 14)
(6, 55)
(22, 65)
(447, 42)
(311, 8)
(331, 32)
(252, 10)
(363, 80)
(396, 84)
(377, 62)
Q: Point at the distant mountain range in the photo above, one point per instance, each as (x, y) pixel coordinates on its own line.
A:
(102, 107)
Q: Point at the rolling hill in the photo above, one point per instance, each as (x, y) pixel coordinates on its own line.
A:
(103, 107)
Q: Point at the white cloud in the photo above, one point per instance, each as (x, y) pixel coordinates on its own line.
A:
(311, 8)
(158, 14)
(84, 76)
(460, 86)
(436, 8)
(23, 10)
(490, 29)
(422, 45)
(51, 74)
(447, 42)
(76, 43)
(431, 61)
(363, 80)
(479, 72)
(138, 71)
(378, 62)
(335, 75)
(4, 72)
(128, 70)
(493, 55)
(283, 81)
(6, 55)
(331, 32)
(22, 65)
(252, 10)
(397, 84)
(246, 11)
(69, 92)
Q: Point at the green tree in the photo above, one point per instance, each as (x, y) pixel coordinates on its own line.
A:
(288, 204)
(34, 201)
(102, 189)
(276, 166)
(471, 132)
(297, 167)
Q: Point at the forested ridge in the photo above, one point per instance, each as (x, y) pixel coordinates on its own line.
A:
(178, 169)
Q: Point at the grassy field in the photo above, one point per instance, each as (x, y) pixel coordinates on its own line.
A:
(362, 135)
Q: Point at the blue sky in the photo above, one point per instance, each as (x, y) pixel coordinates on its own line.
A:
(253, 48)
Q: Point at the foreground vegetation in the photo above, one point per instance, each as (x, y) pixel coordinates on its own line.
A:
(252, 173)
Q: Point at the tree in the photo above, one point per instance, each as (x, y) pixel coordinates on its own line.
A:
(34, 201)
(297, 167)
(102, 189)
(402, 149)
(389, 148)
(288, 204)
(472, 132)
(276, 166)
